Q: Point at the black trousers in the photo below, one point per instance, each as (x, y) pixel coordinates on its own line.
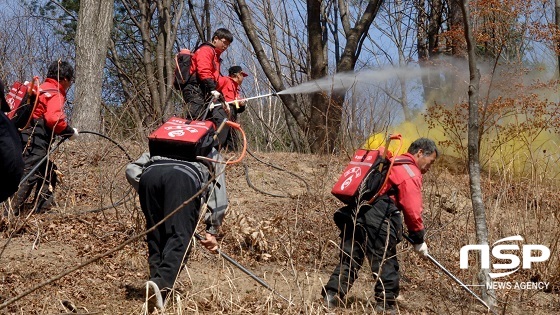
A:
(164, 186)
(197, 101)
(36, 141)
(11, 161)
(374, 236)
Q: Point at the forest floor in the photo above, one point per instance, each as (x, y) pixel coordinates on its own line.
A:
(81, 260)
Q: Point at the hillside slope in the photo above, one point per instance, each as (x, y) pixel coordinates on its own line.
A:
(281, 230)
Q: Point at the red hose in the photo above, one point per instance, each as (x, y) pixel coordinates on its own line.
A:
(237, 126)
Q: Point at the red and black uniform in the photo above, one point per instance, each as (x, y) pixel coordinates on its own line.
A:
(48, 120)
(50, 107)
(205, 73)
(377, 231)
(405, 189)
(230, 90)
(206, 64)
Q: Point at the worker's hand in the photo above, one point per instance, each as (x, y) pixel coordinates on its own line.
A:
(239, 104)
(216, 94)
(74, 135)
(210, 243)
(421, 249)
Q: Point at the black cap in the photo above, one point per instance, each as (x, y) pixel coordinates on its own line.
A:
(237, 69)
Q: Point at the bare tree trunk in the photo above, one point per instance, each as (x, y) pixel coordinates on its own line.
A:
(422, 45)
(197, 24)
(454, 46)
(272, 72)
(157, 58)
(403, 100)
(355, 36)
(473, 154)
(325, 116)
(318, 69)
(93, 32)
(429, 24)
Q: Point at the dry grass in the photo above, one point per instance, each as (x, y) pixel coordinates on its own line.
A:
(289, 242)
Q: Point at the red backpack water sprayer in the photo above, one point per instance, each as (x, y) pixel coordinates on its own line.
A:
(190, 140)
(367, 173)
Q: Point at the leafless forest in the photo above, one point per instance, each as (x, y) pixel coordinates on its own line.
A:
(479, 77)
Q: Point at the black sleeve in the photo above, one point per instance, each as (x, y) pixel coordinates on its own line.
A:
(209, 84)
(417, 237)
(67, 132)
(345, 217)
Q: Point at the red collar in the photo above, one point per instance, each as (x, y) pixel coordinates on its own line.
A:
(53, 84)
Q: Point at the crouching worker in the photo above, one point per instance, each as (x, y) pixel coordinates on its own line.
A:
(377, 229)
(164, 185)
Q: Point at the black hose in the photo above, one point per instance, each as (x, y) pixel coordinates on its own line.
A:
(250, 184)
(128, 192)
(113, 141)
(34, 169)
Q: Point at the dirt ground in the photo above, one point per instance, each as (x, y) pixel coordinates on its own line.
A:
(82, 260)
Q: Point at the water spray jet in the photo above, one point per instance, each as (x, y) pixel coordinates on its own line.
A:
(347, 80)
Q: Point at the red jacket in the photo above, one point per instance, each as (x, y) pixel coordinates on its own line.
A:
(406, 178)
(206, 64)
(229, 88)
(50, 106)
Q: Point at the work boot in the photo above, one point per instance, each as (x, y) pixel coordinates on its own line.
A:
(154, 297)
(385, 308)
(45, 205)
(17, 204)
(331, 299)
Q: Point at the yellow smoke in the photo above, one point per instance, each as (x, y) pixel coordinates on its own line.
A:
(523, 154)
(410, 131)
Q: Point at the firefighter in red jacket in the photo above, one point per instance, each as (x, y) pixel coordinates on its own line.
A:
(202, 87)
(378, 229)
(48, 121)
(229, 87)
